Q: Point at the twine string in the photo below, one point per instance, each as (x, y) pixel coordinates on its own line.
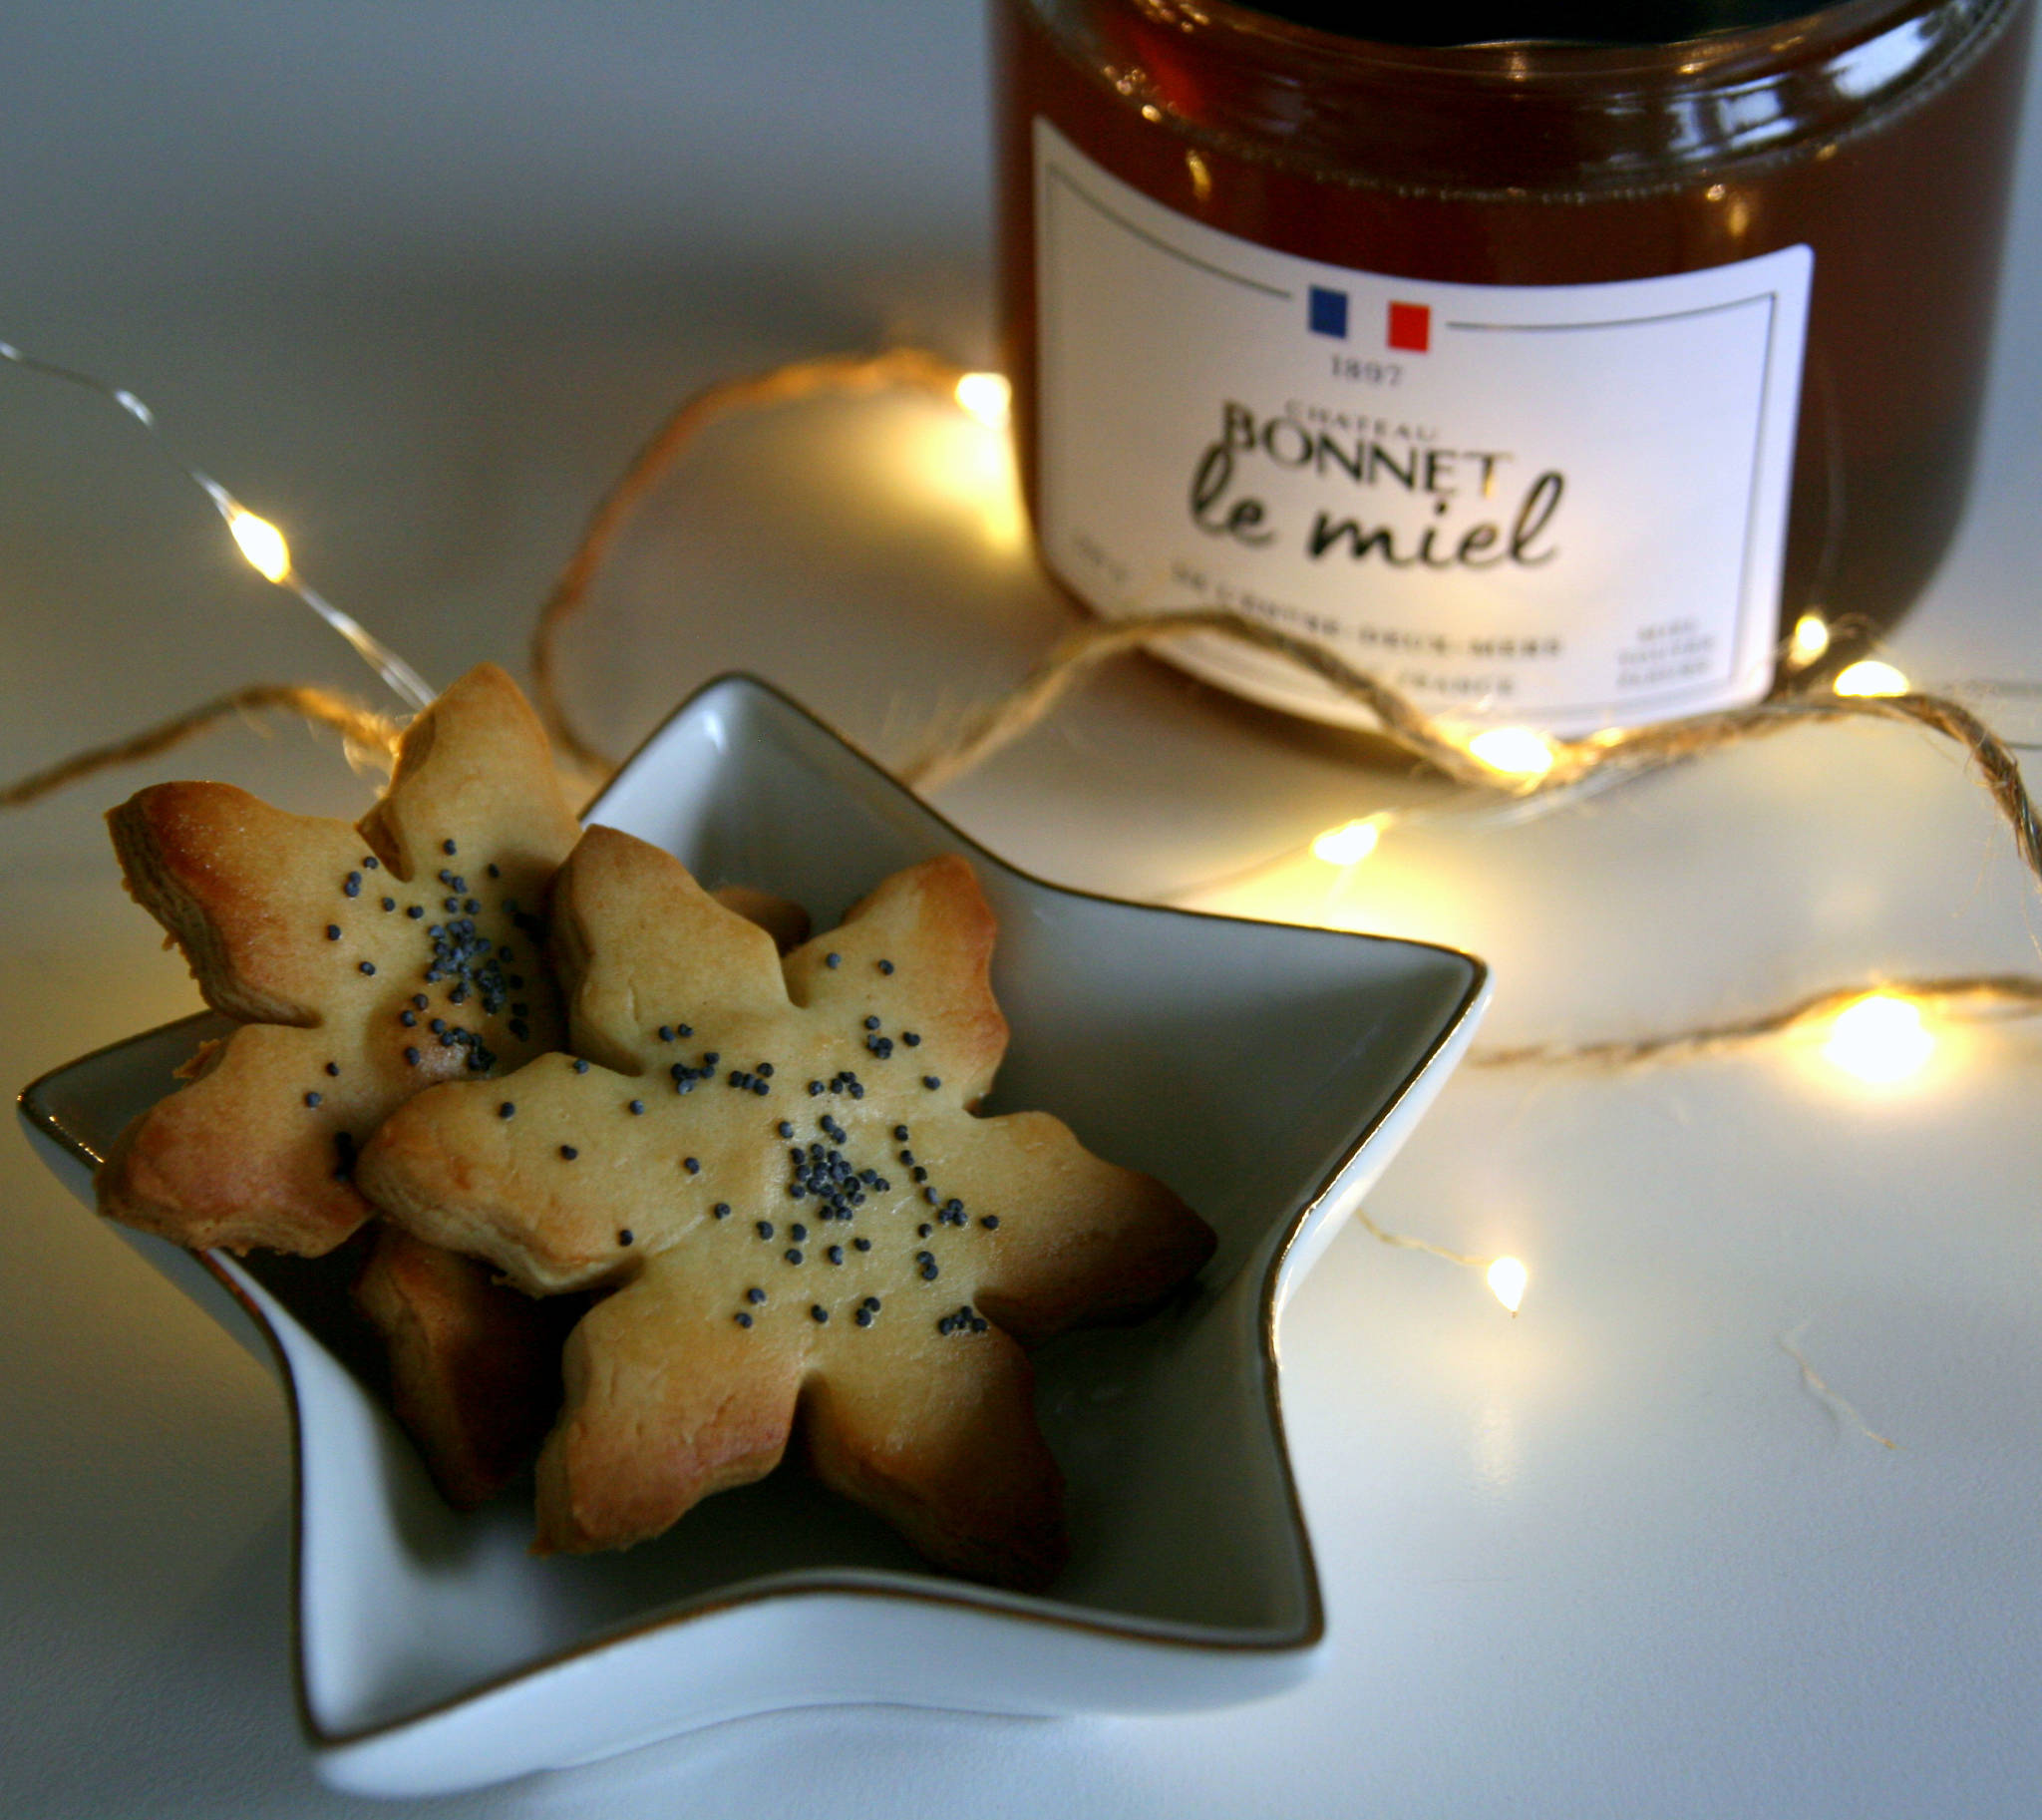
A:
(1975, 995)
(841, 374)
(363, 732)
(1579, 765)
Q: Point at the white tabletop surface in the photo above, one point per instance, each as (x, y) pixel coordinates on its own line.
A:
(414, 281)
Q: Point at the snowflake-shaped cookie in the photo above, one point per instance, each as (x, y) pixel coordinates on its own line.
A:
(363, 962)
(776, 1168)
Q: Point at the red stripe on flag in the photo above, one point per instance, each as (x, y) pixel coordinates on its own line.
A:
(1411, 327)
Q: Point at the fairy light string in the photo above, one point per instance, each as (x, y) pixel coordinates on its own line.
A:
(1876, 1029)
(261, 541)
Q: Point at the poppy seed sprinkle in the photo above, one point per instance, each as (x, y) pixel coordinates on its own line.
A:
(569, 1153)
(833, 960)
(333, 931)
(507, 1110)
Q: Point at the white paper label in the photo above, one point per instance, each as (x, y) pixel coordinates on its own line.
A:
(1550, 506)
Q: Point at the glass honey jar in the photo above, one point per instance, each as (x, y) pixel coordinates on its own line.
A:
(1554, 361)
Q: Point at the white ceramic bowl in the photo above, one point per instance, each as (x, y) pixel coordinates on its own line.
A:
(1266, 1072)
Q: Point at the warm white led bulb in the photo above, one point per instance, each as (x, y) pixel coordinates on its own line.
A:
(1515, 751)
(1811, 639)
(1350, 843)
(986, 396)
(1506, 1279)
(1879, 1039)
(261, 542)
(1868, 677)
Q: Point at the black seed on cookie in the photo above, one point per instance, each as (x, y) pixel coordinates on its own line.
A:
(793, 1256)
(666, 1033)
(313, 1099)
(990, 1222)
(624, 1237)
(742, 1318)
(390, 904)
(370, 862)
(415, 911)
(693, 1164)
(764, 1229)
(885, 967)
(901, 1134)
(930, 1273)
(871, 1023)
(411, 1056)
(864, 1318)
(933, 1081)
(836, 1253)
(351, 885)
(818, 1313)
(447, 846)
(569, 1153)
(580, 1066)
(495, 871)
(333, 931)
(785, 1129)
(861, 1245)
(755, 1296)
(420, 1000)
(637, 1106)
(833, 960)
(721, 1209)
(911, 1039)
(508, 1110)
(368, 966)
(798, 1233)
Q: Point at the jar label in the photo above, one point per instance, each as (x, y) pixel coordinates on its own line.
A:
(1551, 505)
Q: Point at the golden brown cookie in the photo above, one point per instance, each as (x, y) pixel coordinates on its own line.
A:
(775, 1168)
(474, 1365)
(363, 962)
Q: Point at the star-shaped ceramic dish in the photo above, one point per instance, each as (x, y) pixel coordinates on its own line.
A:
(1265, 1071)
